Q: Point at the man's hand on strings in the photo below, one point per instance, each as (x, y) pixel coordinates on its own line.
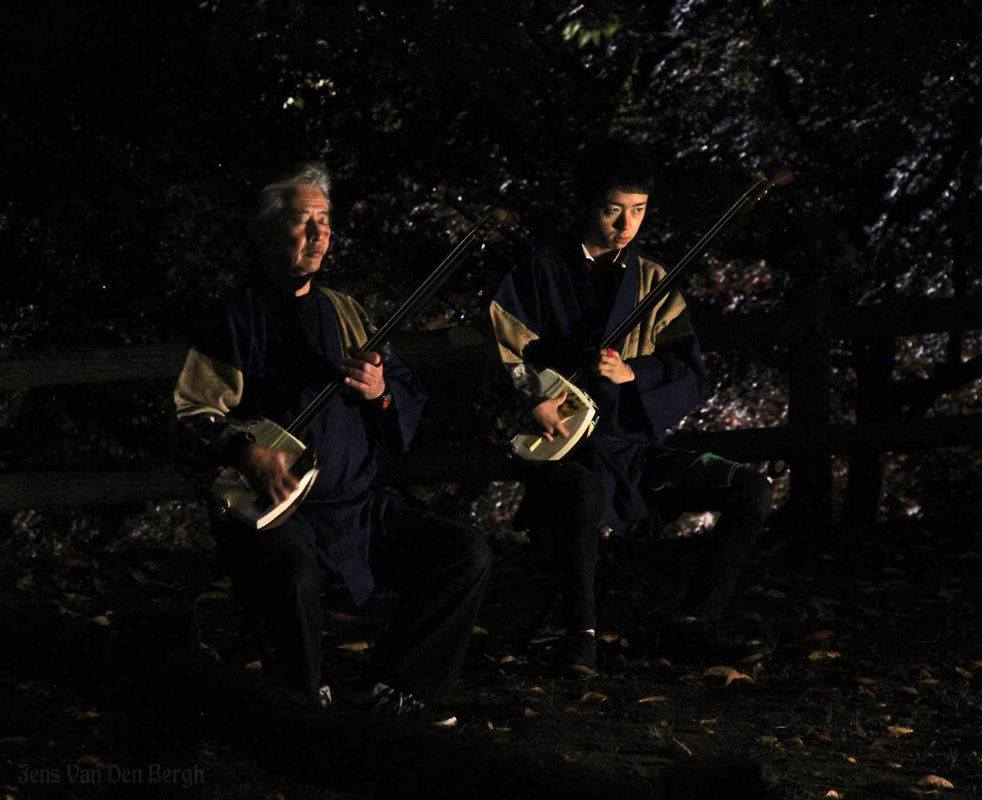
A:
(547, 415)
(267, 472)
(611, 366)
(364, 374)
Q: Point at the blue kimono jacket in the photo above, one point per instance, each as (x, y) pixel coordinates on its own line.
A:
(547, 313)
(256, 359)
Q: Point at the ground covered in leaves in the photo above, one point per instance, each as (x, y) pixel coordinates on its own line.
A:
(870, 688)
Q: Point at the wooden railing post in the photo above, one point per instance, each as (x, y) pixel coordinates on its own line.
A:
(809, 404)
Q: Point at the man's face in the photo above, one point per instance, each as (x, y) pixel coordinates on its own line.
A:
(304, 231)
(613, 221)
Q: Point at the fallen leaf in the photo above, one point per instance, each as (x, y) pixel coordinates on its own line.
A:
(594, 697)
(832, 793)
(796, 741)
(965, 673)
(908, 689)
(712, 721)
(821, 636)
(930, 681)
(729, 673)
(215, 595)
(477, 630)
(653, 698)
(865, 681)
(25, 582)
(340, 616)
(537, 690)
(824, 655)
(609, 637)
(737, 676)
(254, 666)
(204, 647)
(775, 594)
(506, 659)
(530, 712)
(354, 647)
(850, 759)
(894, 765)
(768, 739)
(682, 746)
(898, 730)
(936, 780)
(101, 620)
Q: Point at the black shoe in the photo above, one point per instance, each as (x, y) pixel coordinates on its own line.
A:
(578, 654)
(380, 698)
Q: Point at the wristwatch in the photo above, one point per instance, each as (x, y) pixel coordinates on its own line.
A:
(383, 401)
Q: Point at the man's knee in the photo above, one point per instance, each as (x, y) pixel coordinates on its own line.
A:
(477, 552)
(461, 547)
(576, 491)
(292, 574)
(755, 491)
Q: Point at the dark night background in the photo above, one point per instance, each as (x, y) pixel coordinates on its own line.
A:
(133, 137)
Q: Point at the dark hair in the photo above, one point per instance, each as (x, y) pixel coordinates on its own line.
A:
(611, 164)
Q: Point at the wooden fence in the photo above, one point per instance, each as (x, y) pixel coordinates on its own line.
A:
(455, 366)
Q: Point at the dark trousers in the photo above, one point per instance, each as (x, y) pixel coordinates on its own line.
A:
(564, 505)
(744, 503)
(440, 569)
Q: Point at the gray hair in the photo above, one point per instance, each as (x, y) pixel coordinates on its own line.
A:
(272, 197)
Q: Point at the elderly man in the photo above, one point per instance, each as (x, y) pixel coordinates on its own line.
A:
(269, 351)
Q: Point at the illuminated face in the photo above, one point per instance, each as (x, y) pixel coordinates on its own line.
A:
(614, 221)
(305, 225)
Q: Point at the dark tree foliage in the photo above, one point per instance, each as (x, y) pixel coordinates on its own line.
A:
(136, 131)
(134, 136)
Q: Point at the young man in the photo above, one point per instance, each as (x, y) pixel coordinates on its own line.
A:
(552, 312)
(268, 353)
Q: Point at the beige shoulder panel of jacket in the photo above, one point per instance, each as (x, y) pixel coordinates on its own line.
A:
(512, 335)
(206, 386)
(671, 308)
(353, 321)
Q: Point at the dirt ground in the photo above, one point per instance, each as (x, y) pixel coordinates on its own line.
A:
(870, 688)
